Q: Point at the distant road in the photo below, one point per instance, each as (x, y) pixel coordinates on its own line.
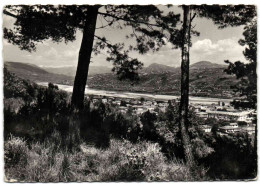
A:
(90, 91)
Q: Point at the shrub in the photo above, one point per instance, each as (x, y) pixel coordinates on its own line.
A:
(15, 151)
(142, 161)
(122, 161)
(235, 158)
(15, 157)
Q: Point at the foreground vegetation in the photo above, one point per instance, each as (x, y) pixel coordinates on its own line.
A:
(43, 145)
(121, 161)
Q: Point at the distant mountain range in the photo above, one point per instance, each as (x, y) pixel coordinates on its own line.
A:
(154, 68)
(206, 78)
(71, 71)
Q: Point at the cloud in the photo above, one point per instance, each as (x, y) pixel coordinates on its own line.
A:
(203, 46)
(166, 56)
(217, 51)
(60, 55)
(69, 54)
(208, 47)
(51, 54)
(46, 42)
(201, 50)
(55, 55)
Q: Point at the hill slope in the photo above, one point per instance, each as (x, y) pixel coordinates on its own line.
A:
(36, 74)
(71, 71)
(24, 68)
(206, 65)
(156, 68)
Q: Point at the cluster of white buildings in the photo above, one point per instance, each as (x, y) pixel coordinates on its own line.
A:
(230, 129)
(227, 113)
(137, 106)
(233, 129)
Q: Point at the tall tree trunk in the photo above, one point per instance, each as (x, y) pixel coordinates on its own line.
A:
(185, 88)
(84, 57)
(81, 76)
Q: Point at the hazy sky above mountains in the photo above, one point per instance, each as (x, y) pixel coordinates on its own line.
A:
(212, 45)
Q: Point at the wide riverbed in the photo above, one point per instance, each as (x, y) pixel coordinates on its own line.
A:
(90, 91)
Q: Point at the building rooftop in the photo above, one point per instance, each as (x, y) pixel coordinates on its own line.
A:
(228, 128)
(243, 113)
(202, 113)
(204, 126)
(250, 128)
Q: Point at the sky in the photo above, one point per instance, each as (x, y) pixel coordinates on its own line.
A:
(213, 44)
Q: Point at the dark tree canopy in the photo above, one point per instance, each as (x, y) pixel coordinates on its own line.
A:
(226, 15)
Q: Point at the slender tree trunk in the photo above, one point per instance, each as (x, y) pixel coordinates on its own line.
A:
(84, 57)
(185, 88)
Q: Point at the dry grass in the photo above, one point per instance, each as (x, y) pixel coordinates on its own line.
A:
(122, 161)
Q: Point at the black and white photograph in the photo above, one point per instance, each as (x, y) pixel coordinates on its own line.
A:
(129, 93)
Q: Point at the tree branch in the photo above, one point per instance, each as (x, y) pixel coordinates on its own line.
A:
(193, 17)
(109, 23)
(119, 18)
(10, 14)
(104, 26)
(110, 46)
(99, 38)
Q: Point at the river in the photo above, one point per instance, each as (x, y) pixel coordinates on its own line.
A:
(121, 94)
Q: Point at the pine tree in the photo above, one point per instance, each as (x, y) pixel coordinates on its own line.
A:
(221, 15)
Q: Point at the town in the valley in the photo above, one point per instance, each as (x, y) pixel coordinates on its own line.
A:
(235, 120)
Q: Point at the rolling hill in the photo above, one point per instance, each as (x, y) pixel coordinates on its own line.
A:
(156, 68)
(71, 71)
(206, 79)
(34, 73)
(206, 65)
